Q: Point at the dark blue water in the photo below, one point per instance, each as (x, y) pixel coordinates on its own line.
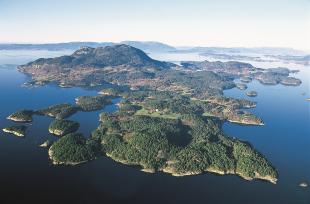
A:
(27, 175)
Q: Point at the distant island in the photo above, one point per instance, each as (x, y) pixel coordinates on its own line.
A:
(241, 86)
(300, 59)
(251, 93)
(246, 72)
(170, 117)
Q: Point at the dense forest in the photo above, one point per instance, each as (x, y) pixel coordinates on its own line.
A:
(92, 103)
(190, 145)
(22, 116)
(62, 127)
(73, 148)
(59, 111)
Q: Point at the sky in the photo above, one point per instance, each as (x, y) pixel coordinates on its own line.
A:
(227, 23)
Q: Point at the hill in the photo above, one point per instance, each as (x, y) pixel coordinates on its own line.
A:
(94, 66)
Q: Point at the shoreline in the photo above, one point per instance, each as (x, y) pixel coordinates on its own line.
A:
(13, 132)
(170, 170)
(56, 132)
(18, 119)
(243, 123)
(56, 162)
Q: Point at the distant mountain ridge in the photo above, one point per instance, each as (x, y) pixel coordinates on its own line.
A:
(153, 46)
(53, 46)
(147, 46)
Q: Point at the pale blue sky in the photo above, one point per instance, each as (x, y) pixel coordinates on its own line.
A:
(284, 23)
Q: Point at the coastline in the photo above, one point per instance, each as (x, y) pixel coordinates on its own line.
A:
(13, 132)
(56, 132)
(56, 162)
(170, 170)
(18, 119)
(245, 123)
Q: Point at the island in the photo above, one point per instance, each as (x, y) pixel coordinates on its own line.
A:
(223, 56)
(303, 184)
(59, 111)
(21, 116)
(169, 119)
(62, 127)
(246, 72)
(17, 130)
(73, 149)
(45, 144)
(290, 81)
(245, 79)
(251, 93)
(241, 86)
(303, 59)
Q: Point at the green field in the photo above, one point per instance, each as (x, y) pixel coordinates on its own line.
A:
(157, 114)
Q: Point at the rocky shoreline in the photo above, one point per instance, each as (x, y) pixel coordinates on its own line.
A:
(170, 170)
(16, 119)
(57, 162)
(13, 132)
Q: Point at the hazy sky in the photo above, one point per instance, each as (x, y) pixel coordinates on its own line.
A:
(249, 23)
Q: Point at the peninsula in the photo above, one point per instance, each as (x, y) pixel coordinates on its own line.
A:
(73, 149)
(92, 103)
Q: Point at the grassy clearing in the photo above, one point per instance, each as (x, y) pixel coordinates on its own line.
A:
(157, 114)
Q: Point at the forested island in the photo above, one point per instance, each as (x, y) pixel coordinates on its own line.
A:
(59, 111)
(63, 127)
(186, 146)
(21, 116)
(17, 130)
(170, 117)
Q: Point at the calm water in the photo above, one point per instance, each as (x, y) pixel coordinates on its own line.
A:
(27, 175)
